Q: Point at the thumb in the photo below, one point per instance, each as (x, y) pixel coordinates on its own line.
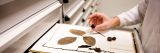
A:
(100, 27)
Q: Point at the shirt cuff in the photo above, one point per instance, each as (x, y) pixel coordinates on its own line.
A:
(122, 19)
(129, 17)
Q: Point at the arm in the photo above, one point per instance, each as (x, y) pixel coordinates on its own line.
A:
(133, 16)
(130, 17)
(104, 22)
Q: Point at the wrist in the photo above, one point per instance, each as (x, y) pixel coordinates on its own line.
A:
(115, 22)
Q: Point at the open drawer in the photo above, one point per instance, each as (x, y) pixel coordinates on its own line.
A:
(124, 43)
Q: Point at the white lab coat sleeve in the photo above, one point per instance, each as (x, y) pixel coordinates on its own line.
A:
(130, 17)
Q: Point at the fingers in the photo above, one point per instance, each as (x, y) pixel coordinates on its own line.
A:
(100, 20)
(99, 27)
(95, 16)
(95, 19)
(102, 27)
(92, 19)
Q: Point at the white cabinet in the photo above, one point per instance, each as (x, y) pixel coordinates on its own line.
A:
(78, 11)
(24, 22)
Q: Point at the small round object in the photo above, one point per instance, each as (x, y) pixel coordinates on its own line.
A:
(97, 49)
(111, 52)
(83, 10)
(109, 39)
(65, 1)
(93, 26)
(114, 38)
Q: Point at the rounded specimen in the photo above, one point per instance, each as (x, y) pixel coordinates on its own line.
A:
(89, 40)
(77, 32)
(66, 40)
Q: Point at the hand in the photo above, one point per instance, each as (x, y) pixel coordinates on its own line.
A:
(100, 20)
